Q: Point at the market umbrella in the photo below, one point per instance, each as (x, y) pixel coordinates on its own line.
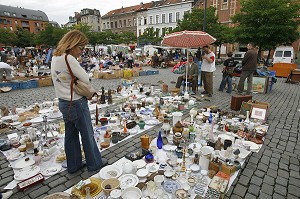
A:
(188, 39)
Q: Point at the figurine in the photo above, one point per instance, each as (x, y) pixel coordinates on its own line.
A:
(102, 99)
(109, 97)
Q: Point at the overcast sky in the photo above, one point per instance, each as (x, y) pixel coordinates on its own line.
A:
(60, 10)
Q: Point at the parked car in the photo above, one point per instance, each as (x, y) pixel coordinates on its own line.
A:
(238, 56)
(284, 54)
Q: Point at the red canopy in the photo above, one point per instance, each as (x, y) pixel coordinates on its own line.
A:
(188, 39)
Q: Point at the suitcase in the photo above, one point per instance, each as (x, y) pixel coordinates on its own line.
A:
(295, 75)
(236, 101)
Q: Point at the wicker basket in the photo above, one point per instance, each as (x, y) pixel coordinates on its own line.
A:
(114, 184)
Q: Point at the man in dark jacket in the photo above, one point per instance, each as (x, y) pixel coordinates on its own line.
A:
(249, 65)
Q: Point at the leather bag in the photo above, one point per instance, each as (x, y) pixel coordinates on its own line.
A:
(80, 87)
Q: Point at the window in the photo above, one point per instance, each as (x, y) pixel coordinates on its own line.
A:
(34, 17)
(157, 19)
(107, 25)
(16, 22)
(104, 25)
(120, 23)
(11, 28)
(150, 20)
(287, 54)
(14, 14)
(6, 13)
(278, 53)
(140, 21)
(111, 24)
(157, 32)
(24, 16)
(129, 22)
(163, 32)
(40, 18)
(163, 18)
(134, 21)
(124, 22)
(170, 17)
(177, 16)
(145, 21)
(140, 32)
(116, 24)
(99, 29)
(225, 1)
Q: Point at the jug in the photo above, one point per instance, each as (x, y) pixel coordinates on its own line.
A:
(145, 141)
(205, 157)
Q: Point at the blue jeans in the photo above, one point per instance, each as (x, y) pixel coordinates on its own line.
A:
(226, 79)
(78, 119)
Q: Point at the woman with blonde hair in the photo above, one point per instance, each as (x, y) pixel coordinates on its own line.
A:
(76, 115)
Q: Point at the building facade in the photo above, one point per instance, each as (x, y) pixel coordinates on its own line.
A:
(123, 19)
(91, 17)
(32, 20)
(163, 15)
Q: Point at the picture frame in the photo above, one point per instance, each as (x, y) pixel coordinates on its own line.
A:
(259, 84)
(258, 113)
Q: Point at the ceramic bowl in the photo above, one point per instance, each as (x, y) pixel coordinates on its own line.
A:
(109, 185)
(132, 193)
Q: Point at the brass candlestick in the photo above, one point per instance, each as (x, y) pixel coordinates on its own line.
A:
(183, 167)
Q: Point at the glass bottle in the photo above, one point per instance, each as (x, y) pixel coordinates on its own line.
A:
(97, 115)
(87, 193)
(159, 142)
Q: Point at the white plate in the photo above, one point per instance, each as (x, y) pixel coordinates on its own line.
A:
(110, 171)
(36, 120)
(15, 123)
(142, 173)
(167, 147)
(128, 180)
(15, 155)
(51, 170)
(22, 163)
(139, 163)
(132, 193)
(195, 145)
(253, 146)
(122, 162)
(54, 115)
(151, 122)
(43, 111)
(27, 172)
(49, 135)
(152, 167)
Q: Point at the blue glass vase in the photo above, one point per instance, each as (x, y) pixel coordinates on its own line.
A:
(159, 142)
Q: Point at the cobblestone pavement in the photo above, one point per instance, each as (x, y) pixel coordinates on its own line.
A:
(271, 173)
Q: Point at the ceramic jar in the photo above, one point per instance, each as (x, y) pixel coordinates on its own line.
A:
(178, 127)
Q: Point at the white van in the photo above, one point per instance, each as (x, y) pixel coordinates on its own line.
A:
(284, 54)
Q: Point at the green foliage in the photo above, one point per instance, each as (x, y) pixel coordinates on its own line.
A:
(194, 21)
(7, 37)
(24, 38)
(150, 36)
(51, 35)
(126, 37)
(267, 23)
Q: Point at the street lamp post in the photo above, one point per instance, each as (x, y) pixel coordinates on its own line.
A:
(204, 17)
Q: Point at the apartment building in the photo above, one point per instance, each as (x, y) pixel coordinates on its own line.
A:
(32, 20)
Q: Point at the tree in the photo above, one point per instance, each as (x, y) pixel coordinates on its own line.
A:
(127, 37)
(267, 23)
(24, 38)
(150, 36)
(51, 35)
(193, 21)
(7, 37)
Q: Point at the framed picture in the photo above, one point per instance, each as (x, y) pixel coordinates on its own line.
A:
(259, 84)
(258, 113)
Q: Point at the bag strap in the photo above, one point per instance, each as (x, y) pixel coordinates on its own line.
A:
(74, 80)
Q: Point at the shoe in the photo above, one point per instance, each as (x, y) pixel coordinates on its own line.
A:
(220, 90)
(209, 95)
(228, 92)
(6, 195)
(193, 93)
(204, 92)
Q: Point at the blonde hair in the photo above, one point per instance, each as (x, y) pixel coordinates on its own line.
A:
(69, 41)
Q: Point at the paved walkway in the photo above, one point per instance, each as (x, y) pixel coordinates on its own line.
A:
(271, 173)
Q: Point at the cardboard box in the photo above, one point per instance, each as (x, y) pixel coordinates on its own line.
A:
(109, 76)
(237, 100)
(45, 82)
(119, 73)
(128, 73)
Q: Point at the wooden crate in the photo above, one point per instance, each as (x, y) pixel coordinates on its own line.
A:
(45, 82)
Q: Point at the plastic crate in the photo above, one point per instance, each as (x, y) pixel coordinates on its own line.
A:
(143, 73)
(152, 72)
(13, 85)
(29, 84)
